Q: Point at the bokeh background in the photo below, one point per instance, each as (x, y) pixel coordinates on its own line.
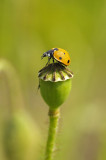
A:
(30, 27)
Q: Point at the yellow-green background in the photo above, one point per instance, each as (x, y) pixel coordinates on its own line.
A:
(30, 27)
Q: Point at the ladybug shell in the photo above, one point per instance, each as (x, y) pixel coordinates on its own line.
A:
(62, 56)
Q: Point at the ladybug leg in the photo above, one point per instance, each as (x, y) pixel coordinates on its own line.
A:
(48, 61)
(53, 60)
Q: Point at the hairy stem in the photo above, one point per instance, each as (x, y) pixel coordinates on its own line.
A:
(54, 118)
(11, 81)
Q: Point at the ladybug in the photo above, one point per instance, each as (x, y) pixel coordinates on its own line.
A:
(58, 54)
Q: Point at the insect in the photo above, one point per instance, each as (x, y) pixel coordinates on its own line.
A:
(58, 54)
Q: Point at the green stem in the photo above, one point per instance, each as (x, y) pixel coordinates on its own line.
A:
(54, 118)
(11, 81)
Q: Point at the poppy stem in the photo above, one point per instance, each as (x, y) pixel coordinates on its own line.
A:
(54, 119)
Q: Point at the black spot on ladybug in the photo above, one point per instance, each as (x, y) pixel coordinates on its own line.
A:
(68, 61)
(60, 58)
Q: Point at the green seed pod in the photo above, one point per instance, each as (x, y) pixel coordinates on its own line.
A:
(21, 138)
(55, 84)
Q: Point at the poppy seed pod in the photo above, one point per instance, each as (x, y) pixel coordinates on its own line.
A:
(55, 84)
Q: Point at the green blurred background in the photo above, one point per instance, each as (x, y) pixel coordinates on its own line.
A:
(30, 27)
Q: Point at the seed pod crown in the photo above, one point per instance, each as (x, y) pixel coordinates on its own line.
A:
(55, 72)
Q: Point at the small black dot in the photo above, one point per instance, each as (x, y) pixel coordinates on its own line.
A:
(60, 57)
(68, 61)
(64, 53)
